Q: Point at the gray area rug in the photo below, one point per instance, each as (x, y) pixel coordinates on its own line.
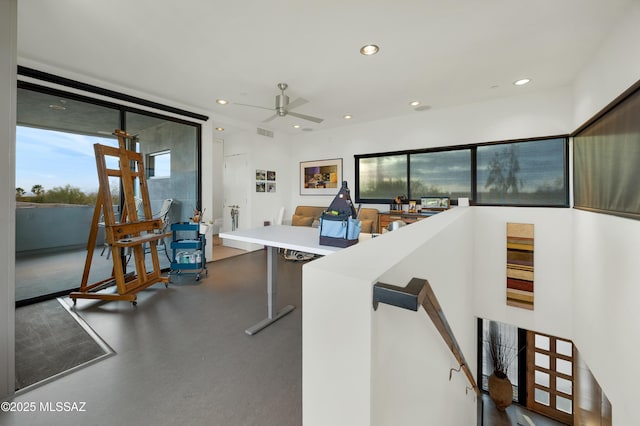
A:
(52, 340)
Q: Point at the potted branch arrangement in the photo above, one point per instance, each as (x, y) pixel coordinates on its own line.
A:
(501, 351)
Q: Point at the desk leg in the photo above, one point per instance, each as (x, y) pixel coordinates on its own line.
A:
(272, 294)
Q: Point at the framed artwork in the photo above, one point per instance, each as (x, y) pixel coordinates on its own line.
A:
(261, 186)
(261, 175)
(320, 177)
(271, 175)
(271, 187)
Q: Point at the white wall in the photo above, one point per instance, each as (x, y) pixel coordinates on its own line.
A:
(615, 68)
(553, 257)
(8, 43)
(263, 153)
(388, 367)
(606, 306)
(411, 361)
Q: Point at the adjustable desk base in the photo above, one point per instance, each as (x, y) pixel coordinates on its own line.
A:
(268, 321)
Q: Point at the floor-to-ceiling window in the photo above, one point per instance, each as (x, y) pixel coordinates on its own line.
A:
(57, 183)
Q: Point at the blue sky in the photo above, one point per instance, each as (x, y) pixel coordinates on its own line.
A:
(56, 159)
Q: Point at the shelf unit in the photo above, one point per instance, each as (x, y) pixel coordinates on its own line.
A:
(187, 247)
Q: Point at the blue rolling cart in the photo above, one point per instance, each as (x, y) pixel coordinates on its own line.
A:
(187, 248)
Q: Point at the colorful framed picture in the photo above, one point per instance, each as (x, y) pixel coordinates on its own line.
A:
(320, 177)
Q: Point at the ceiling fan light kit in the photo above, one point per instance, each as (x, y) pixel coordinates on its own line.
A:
(283, 107)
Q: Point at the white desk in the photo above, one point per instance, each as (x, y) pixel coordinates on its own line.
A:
(301, 238)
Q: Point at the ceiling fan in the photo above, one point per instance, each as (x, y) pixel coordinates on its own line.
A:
(284, 107)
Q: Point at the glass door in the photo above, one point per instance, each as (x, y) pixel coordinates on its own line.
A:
(56, 191)
(170, 152)
(57, 182)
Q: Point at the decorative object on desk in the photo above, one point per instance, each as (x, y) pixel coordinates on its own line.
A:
(520, 265)
(434, 203)
(397, 204)
(412, 206)
(320, 177)
(339, 224)
(501, 352)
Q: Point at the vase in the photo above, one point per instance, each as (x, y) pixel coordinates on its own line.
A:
(500, 391)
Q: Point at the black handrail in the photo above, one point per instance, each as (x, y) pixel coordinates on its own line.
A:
(419, 293)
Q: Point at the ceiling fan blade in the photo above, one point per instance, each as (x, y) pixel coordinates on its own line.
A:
(270, 118)
(253, 106)
(306, 117)
(297, 103)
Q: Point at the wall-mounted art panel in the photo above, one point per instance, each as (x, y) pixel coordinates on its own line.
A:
(520, 265)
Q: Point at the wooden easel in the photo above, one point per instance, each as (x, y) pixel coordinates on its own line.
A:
(130, 233)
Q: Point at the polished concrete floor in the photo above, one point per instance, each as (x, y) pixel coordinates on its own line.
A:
(182, 356)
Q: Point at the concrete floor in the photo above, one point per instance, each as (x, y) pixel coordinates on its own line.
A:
(182, 356)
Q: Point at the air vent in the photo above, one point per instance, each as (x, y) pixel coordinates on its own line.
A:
(265, 132)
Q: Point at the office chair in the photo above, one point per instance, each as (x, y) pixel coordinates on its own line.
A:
(101, 223)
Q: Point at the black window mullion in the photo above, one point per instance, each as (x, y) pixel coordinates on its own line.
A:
(409, 192)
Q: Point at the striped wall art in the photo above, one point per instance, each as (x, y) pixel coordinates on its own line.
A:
(520, 265)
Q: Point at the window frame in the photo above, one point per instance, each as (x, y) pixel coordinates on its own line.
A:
(150, 164)
(474, 166)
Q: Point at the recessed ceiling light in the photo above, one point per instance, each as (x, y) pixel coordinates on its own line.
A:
(347, 117)
(296, 126)
(414, 103)
(220, 129)
(369, 49)
(522, 81)
(57, 107)
(222, 101)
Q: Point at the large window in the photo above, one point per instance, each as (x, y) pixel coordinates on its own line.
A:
(444, 173)
(57, 182)
(524, 173)
(382, 177)
(606, 158)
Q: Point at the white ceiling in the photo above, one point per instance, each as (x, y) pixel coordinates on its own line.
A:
(440, 52)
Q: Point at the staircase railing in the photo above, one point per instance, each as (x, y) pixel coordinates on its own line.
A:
(419, 293)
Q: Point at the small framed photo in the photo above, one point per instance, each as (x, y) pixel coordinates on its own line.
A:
(261, 175)
(261, 186)
(320, 177)
(271, 175)
(271, 187)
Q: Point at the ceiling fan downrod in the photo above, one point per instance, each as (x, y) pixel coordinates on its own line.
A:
(282, 100)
